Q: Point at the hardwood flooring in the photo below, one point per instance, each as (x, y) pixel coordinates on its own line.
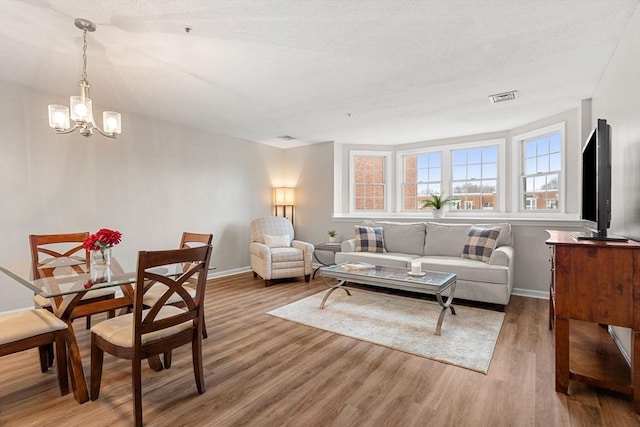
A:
(264, 371)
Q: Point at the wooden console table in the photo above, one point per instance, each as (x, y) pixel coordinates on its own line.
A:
(594, 284)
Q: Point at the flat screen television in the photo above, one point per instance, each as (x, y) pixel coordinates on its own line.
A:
(596, 184)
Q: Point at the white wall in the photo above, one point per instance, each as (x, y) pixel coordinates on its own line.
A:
(155, 181)
(617, 99)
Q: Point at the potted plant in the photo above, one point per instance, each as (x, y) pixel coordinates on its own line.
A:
(332, 235)
(437, 202)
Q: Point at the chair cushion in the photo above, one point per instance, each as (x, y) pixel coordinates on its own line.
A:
(277, 241)
(480, 243)
(119, 330)
(369, 239)
(152, 295)
(25, 324)
(286, 255)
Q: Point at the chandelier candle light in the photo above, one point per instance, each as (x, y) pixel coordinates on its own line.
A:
(100, 244)
(81, 111)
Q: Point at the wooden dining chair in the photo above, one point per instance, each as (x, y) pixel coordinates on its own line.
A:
(188, 240)
(45, 248)
(36, 328)
(152, 331)
(45, 244)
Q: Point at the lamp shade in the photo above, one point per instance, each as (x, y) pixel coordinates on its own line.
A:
(284, 196)
(81, 110)
(59, 117)
(111, 122)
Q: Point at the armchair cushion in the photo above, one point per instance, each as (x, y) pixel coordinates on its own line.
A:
(282, 241)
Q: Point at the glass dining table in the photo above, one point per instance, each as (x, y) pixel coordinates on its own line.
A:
(65, 293)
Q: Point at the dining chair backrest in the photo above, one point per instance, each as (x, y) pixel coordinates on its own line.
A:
(190, 240)
(147, 275)
(45, 248)
(193, 240)
(67, 245)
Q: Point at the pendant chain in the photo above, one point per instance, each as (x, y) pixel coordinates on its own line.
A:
(84, 55)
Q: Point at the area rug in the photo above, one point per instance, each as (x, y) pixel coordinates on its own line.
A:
(406, 324)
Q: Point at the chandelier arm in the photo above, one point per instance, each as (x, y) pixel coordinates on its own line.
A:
(71, 129)
(101, 132)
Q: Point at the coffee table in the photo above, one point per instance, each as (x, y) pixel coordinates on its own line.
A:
(431, 282)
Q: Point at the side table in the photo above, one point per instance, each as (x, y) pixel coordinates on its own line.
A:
(328, 247)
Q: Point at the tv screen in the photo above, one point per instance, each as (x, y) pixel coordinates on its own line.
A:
(596, 183)
(590, 180)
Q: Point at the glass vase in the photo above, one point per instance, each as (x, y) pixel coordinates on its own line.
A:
(101, 258)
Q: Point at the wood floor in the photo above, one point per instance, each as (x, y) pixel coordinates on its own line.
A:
(264, 371)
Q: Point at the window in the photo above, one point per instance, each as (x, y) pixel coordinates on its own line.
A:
(541, 171)
(475, 177)
(421, 177)
(368, 181)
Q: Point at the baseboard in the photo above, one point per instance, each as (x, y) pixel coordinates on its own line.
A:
(530, 293)
(225, 273)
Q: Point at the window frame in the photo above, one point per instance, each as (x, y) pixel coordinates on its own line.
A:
(386, 175)
(400, 155)
(447, 173)
(517, 162)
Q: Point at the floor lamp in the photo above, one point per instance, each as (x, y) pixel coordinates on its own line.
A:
(283, 201)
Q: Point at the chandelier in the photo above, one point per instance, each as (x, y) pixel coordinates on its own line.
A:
(81, 112)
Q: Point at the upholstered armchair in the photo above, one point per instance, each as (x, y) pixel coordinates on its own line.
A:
(274, 252)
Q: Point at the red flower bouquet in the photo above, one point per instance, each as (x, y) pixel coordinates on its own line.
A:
(102, 240)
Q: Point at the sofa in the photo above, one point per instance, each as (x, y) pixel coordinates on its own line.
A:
(484, 272)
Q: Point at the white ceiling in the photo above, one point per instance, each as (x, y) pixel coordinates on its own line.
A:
(377, 72)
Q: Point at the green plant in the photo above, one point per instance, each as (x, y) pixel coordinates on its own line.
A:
(437, 201)
(332, 233)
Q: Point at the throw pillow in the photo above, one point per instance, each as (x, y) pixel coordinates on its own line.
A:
(277, 241)
(369, 239)
(480, 243)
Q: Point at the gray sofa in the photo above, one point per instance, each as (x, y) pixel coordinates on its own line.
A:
(439, 247)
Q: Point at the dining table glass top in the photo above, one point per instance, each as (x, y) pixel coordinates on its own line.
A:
(99, 277)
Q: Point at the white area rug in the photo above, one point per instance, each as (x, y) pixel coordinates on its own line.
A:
(404, 324)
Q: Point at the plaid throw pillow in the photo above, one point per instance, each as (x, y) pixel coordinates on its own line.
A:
(369, 239)
(480, 243)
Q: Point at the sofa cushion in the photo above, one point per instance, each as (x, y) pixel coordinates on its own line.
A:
(277, 241)
(480, 243)
(389, 259)
(369, 239)
(445, 239)
(468, 270)
(402, 237)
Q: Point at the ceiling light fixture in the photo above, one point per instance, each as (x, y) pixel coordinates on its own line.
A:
(81, 112)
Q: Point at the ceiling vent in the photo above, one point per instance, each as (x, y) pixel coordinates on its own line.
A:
(286, 137)
(505, 96)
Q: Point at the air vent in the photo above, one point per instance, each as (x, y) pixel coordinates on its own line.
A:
(286, 137)
(505, 96)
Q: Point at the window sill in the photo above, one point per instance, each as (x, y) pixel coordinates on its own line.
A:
(539, 220)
